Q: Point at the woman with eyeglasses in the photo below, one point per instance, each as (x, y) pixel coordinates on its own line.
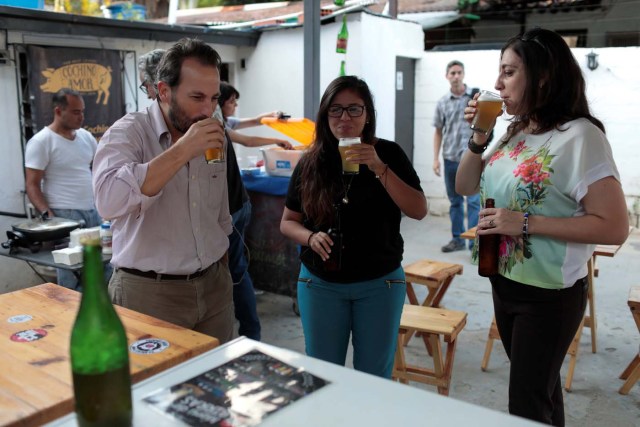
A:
(557, 194)
(351, 282)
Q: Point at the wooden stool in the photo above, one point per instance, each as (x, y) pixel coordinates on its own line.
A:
(431, 323)
(632, 373)
(436, 276)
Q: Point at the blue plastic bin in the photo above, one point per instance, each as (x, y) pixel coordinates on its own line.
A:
(126, 11)
(31, 4)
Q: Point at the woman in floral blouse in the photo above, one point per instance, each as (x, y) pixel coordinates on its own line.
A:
(557, 194)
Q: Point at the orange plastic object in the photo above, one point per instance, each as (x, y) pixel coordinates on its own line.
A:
(300, 130)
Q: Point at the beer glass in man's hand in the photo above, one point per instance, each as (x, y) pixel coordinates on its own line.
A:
(215, 155)
(488, 108)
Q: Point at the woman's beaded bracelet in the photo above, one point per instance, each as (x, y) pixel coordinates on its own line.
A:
(525, 226)
(309, 238)
(475, 148)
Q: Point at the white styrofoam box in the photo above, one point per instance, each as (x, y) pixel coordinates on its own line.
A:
(78, 233)
(280, 162)
(68, 256)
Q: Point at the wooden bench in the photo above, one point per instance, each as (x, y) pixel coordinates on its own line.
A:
(632, 373)
(432, 323)
(436, 276)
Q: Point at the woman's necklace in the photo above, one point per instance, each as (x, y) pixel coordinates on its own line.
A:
(345, 199)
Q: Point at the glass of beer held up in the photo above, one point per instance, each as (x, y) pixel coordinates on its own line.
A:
(487, 110)
(215, 155)
(348, 168)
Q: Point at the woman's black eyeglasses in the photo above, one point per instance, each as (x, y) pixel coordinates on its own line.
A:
(143, 88)
(352, 110)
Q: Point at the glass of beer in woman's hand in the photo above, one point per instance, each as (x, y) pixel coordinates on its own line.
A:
(487, 111)
(215, 155)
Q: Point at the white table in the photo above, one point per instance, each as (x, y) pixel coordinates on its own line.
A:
(352, 399)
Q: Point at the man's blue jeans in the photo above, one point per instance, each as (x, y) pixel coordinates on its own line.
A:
(244, 297)
(91, 219)
(456, 210)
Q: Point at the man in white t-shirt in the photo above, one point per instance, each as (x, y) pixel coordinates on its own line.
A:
(58, 168)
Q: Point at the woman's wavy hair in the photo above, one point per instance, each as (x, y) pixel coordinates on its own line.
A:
(321, 168)
(555, 87)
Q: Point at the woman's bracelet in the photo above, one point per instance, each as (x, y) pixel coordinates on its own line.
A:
(309, 238)
(475, 148)
(386, 167)
(525, 226)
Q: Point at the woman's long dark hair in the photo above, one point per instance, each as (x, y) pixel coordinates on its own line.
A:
(321, 168)
(555, 88)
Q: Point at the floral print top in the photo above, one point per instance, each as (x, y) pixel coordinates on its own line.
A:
(546, 174)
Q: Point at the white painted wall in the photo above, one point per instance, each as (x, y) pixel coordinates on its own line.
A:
(11, 159)
(273, 78)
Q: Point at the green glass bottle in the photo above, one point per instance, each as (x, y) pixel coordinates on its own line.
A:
(99, 351)
(343, 71)
(339, 2)
(343, 36)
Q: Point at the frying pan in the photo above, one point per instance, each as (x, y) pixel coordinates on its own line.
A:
(44, 230)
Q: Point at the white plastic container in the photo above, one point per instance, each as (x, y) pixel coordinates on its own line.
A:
(68, 256)
(280, 162)
(106, 237)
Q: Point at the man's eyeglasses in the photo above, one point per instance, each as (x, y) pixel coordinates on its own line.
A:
(143, 88)
(352, 110)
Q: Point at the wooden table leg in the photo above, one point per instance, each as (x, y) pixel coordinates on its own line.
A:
(493, 335)
(573, 356)
(411, 294)
(591, 319)
(631, 374)
(400, 365)
(441, 290)
(433, 341)
(413, 299)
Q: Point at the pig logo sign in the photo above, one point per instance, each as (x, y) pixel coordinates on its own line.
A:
(84, 77)
(96, 74)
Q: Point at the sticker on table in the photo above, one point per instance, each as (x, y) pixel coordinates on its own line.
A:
(29, 335)
(149, 346)
(20, 318)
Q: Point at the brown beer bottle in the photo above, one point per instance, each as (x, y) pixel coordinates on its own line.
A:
(488, 246)
(334, 262)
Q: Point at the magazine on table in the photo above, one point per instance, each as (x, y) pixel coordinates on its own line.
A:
(242, 392)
